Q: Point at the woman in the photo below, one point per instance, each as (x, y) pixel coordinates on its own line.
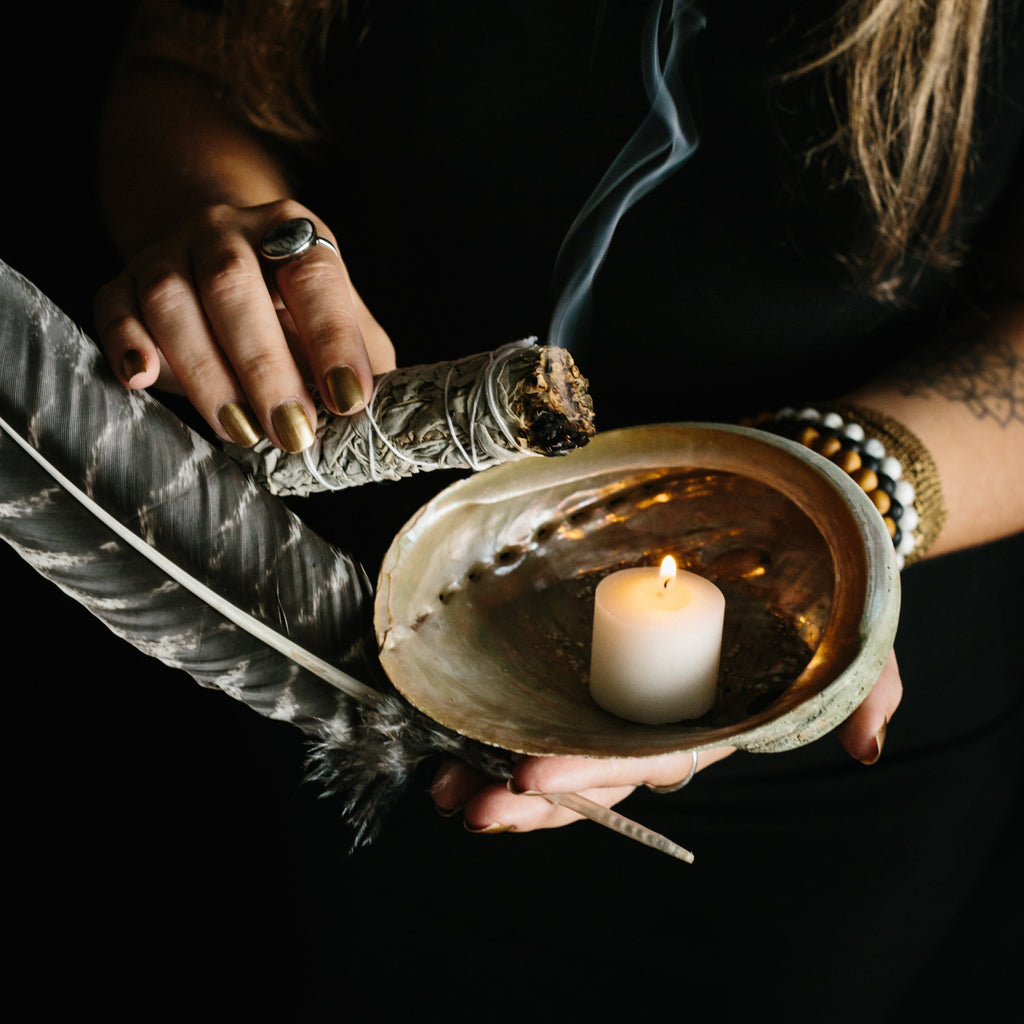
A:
(804, 252)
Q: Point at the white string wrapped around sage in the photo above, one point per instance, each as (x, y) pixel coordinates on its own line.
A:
(520, 400)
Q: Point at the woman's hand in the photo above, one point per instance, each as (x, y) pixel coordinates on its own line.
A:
(499, 807)
(197, 314)
(863, 733)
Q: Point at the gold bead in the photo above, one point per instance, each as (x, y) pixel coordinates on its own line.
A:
(881, 501)
(807, 436)
(890, 525)
(848, 461)
(866, 479)
(828, 446)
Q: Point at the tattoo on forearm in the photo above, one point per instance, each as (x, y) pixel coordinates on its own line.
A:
(987, 377)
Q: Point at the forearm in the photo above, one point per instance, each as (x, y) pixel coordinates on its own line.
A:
(168, 146)
(965, 401)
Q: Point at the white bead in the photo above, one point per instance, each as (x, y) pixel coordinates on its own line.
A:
(809, 414)
(832, 420)
(874, 448)
(906, 544)
(786, 413)
(853, 431)
(891, 467)
(904, 492)
(900, 561)
(910, 519)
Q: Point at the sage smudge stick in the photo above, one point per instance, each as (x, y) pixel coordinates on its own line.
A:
(521, 400)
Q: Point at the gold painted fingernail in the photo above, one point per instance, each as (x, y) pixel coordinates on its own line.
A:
(345, 390)
(879, 743)
(489, 830)
(132, 363)
(239, 423)
(291, 424)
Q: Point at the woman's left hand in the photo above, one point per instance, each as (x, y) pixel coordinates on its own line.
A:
(499, 807)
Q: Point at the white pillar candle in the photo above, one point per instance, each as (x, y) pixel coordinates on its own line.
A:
(657, 644)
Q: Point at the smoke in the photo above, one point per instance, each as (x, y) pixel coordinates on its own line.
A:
(664, 140)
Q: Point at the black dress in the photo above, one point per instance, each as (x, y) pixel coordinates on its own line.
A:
(470, 135)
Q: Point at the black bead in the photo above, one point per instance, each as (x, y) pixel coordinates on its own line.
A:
(886, 483)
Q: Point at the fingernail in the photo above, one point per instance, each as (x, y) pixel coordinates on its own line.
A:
(879, 743)
(448, 812)
(132, 364)
(514, 789)
(344, 388)
(239, 423)
(291, 424)
(490, 830)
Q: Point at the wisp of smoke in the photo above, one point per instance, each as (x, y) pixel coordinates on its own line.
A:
(663, 141)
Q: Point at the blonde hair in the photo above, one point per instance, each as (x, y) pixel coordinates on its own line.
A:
(904, 77)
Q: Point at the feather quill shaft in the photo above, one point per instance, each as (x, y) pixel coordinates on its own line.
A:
(183, 498)
(162, 537)
(602, 815)
(134, 460)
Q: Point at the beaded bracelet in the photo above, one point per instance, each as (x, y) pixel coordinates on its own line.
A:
(884, 458)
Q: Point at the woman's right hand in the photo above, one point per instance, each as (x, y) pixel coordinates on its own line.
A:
(197, 314)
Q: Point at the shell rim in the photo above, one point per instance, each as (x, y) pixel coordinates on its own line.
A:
(809, 708)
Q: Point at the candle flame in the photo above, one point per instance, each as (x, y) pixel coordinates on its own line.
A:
(668, 571)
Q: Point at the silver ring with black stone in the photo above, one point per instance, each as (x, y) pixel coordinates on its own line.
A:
(290, 239)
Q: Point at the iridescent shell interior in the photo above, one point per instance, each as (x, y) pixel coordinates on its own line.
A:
(485, 599)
